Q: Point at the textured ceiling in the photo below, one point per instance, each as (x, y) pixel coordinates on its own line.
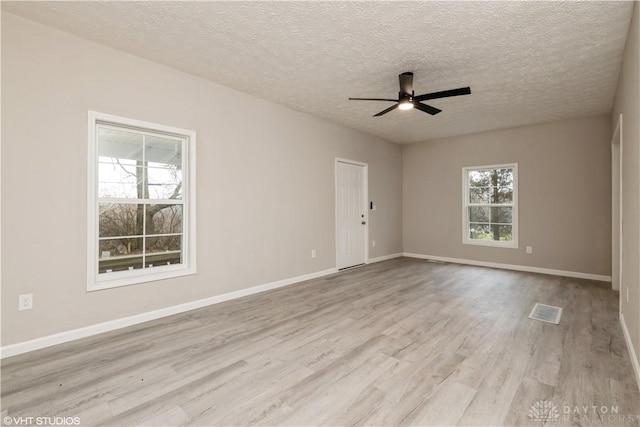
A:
(526, 62)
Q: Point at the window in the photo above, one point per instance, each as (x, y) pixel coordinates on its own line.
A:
(141, 223)
(490, 207)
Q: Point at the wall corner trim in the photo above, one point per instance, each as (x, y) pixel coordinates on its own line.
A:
(87, 331)
(515, 267)
(384, 258)
(632, 352)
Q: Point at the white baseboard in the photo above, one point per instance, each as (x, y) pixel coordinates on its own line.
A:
(632, 352)
(62, 337)
(553, 272)
(384, 258)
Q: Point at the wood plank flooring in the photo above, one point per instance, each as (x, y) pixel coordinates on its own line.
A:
(402, 342)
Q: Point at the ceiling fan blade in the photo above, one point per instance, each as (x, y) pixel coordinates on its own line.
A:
(426, 108)
(393, 107)
(372, 99)
(444, 94)
(406, 82)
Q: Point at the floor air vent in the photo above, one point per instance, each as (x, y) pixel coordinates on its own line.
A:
(546, 313)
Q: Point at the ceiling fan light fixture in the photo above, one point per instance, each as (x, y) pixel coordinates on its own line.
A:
(407, 100)
(406, 105)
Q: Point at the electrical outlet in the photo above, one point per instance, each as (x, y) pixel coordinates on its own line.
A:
(313, 253)
(373, 243)
(529, 250)
(25, 302)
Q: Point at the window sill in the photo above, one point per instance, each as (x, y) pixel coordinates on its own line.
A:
(491, 243)
(118, 279)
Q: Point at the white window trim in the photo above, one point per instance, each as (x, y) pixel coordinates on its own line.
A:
(465, 211)
(116, 279)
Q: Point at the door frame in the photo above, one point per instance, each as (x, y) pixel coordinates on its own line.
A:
(617, 238)
(365, 195)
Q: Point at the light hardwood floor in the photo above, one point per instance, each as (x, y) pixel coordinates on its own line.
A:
(402, 342)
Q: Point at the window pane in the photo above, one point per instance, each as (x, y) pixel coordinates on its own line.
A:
(119, 180)
(501, 215)
(164, 183)
(502, 233)
(120, 219)
(120, 163)
(120, 144)
(119, 255)
(163, 151)
(480, 231)
(503, 195)
(165, 250)
(503, 177)
(479, 194)
(164, 219)
(479, 214)
(480, 178)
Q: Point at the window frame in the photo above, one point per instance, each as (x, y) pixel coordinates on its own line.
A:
(466, 240)
(96, 281)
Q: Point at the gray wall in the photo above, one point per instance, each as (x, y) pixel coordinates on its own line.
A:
(627, 102)
(564, 194)
(265, 177)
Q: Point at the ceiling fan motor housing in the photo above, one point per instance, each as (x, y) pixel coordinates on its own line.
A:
(405, 97)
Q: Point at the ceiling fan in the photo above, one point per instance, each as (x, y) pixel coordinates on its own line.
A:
(407, 100)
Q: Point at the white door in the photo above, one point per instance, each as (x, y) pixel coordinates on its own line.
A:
(351, 214)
